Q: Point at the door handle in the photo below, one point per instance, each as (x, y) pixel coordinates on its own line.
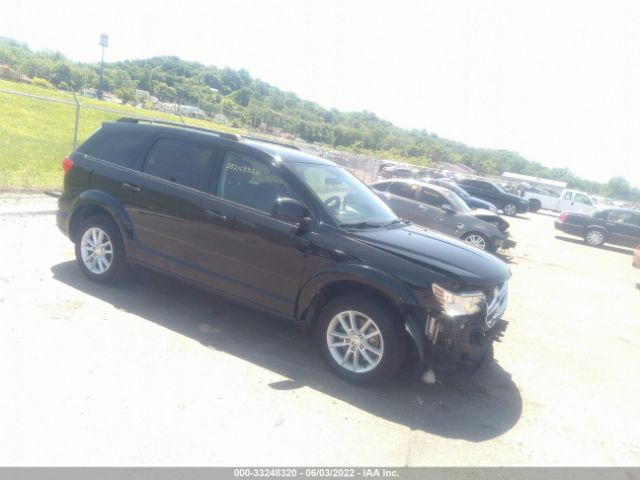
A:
(130, 187)
(215, 215)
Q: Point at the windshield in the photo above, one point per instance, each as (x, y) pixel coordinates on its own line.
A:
(347, 199)
(456, 202)
(458, 190)
(498, 187)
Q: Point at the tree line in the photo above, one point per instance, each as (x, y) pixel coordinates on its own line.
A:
(250, 102)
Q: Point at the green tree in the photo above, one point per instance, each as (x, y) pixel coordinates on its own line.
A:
(126, 94)
(619, 187)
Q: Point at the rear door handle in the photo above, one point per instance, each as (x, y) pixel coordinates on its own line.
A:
(129, 187)
(215, 215)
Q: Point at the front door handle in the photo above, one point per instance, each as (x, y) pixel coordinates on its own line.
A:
(130, 187)
(215, 215)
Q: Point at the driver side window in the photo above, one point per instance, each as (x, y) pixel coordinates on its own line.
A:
(582, 199)
(252, 182)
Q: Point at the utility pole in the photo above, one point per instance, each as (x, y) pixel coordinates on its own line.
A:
(104, 42)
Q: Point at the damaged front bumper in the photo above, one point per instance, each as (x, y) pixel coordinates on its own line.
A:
(465, 340)
(504, 243)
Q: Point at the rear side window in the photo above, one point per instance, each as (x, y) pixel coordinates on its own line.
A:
(619, 216)
(181, 162)
(407, 190)
(120, 147)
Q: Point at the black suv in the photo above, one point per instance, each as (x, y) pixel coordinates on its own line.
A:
(509, 203)
(286, 231)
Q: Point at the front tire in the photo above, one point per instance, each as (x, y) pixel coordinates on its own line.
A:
(477, 240)
(361, 340)
(510, 209)
(99, 250)
(594, 237)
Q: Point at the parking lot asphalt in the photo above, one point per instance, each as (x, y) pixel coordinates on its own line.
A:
(155, 372)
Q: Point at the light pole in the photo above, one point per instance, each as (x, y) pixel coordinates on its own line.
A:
(104, 42)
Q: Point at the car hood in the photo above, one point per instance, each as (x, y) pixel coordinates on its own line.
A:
(490, 217)
(447, 255)
(516, 198)
(479, 201)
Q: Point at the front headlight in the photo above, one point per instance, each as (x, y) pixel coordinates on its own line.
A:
(454, 304)
(493, 209)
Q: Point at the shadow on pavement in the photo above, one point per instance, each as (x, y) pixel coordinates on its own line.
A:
(547, 214)
(471, 407)
(609, 248)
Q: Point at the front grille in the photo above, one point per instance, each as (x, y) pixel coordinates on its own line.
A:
(496, 303)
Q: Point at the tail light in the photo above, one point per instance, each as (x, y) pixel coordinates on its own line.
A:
(67, 164)
(563, 216)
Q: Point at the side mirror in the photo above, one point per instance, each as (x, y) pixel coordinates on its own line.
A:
(291, 211)
(448, 208)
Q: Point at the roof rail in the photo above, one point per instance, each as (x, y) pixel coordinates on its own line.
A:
(228, 136)
(282, 144)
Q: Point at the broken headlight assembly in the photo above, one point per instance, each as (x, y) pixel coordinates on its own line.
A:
(458, 304)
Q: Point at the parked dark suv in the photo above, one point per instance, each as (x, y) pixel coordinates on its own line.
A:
(509, 203)
(286, 231)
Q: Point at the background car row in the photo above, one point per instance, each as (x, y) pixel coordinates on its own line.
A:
(469, 209)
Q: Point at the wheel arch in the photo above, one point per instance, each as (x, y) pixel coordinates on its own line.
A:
(343, 280)
(95, 202)
(477, 231)
(600, 228)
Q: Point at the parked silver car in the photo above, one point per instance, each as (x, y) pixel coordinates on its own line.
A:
(442, 210)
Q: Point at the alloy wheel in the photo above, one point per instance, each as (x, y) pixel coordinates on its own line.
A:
(355, 341)
(476, 241)
(510, 209)
(96, 250)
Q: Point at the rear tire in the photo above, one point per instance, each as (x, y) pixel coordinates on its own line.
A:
(361, 340)
(99, 250)
(594, 237)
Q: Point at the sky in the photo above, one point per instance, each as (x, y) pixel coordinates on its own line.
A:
(557, 82)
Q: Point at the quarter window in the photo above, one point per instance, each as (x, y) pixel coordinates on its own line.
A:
(121, 148)
(181, 162)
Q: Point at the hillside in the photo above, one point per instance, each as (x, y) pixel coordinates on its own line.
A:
(251, 103)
